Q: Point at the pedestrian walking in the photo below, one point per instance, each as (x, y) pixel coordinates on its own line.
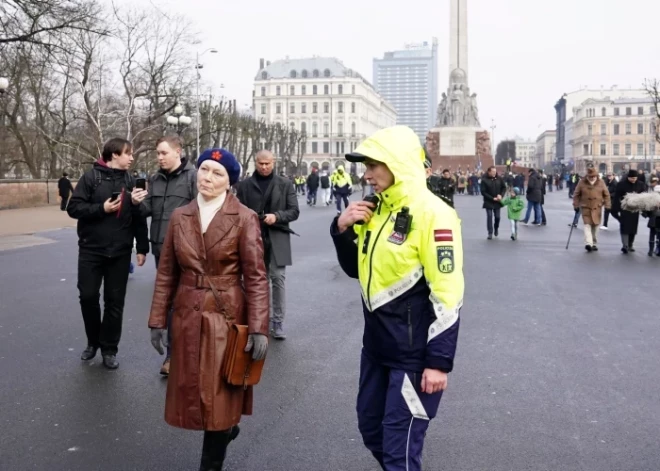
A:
(412, 283)
(628, 220)
(172, 186)
(107, 226)
(654, 221)
(343, 187)
(611, 183)
(324, 191)
(64, 190)
(312, 187)
(212, 269)
(492, 190)
(534, 197)
(273, 198)
(515, 205)
(590, 197)
(442, 187)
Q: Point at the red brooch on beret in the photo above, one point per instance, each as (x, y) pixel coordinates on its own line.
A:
(216, 155)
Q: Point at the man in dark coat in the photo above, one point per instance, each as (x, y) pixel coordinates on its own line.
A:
(628, 220)
(274, 200)
(64, 188)
(312, 186)
(611, 184)
(492, 190)
(534, 197)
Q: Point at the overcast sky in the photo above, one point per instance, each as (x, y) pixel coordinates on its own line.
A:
(523, 54)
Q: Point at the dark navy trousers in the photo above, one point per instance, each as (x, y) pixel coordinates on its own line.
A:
(393, 415)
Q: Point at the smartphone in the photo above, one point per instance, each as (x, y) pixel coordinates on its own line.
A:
(115, 195)
(141, 183)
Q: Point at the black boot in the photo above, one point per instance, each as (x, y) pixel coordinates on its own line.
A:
(214, 448)
(651, 248)
(379, 458)
(631, 238)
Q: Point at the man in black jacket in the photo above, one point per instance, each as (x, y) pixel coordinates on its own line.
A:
(492, 190)
(274, 200)
(611, 184)
(173, 186)
(534, 197)
(312, 187)
(107, 225)
(64, 188)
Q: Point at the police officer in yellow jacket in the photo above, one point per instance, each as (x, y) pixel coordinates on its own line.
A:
(407, 253)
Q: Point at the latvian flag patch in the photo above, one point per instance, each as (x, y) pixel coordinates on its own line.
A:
(443, 235)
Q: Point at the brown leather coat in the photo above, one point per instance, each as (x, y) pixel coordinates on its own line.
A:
(591, 199)
(231, 254)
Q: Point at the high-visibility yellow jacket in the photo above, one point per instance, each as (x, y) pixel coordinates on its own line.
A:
(412, 284)
(342, 181)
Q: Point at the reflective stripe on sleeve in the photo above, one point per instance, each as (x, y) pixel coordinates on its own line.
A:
(445, 317)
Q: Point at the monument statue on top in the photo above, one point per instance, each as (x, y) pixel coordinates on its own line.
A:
(458, 108)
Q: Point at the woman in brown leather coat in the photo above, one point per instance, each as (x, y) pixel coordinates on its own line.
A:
(213, 241)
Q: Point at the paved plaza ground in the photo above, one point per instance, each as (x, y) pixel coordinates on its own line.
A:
(557, 363)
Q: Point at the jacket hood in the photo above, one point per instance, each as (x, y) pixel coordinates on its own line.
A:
(340, 168)
(102, 166)
(399, 148)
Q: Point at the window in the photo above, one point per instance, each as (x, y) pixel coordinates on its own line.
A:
(340, 107)
(278, 91)
(628, 111)
(326, 129)
(292, 108)
(263, 109)
(315, 107)
(303, 128)
(652, 148)
(337, 147)
(640, 128)
(652, 110)
(603, 149)
(340, 89)
(603, 129)
(343, 149)
(352, 89)
(628, 149)
(264, 75)
(293, 74)
(340, 129)
(616, 111)
(314, 90)
(315, 147)
(603, 111)
(303, 108)
(640, 110)
(326, 147)
(652, 128)
(326, 107)
(615, 149)
(353, 126)
(278, 108)
(326, 73)
(303, 90)
(590, 129)
(616, 129)
(315, 73)
(326, 90)
(585, 149)
(640, 148)
(352, 107)
(263, 91)
(315, 129)
(303, 74)
(628, 128)
(292, 90)
(292, 125)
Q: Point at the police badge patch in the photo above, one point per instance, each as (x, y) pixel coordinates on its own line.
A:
(445, 259)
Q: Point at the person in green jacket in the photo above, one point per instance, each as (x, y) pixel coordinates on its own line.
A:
(515, 206)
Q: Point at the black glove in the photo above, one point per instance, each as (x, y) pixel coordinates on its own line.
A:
(577, 210)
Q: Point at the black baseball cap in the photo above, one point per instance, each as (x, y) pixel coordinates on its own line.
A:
(355, 157)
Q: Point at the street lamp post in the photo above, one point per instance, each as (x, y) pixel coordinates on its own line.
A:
(197, 75)
(178, 120)
(492, 136)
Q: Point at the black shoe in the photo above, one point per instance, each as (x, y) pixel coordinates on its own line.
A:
(88, 353)
(110, 362)
(495, 234)
(490, 236)
(631, 249)
(594, 248)
(235, 430)
(587, 248)
(513, 237)
(624, 249)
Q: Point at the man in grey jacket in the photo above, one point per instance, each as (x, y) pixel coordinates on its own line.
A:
(173, 186)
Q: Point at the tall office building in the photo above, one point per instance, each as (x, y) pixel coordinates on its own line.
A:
(408, 79)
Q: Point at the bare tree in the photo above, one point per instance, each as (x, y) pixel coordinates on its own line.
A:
(652, 87)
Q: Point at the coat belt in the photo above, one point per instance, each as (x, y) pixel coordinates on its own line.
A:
(200, 281)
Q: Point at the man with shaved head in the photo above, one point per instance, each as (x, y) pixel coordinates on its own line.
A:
(274, 199)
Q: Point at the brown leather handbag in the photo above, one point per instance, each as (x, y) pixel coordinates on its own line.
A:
(238, 367)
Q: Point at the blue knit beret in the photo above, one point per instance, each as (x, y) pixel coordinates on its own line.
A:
(224, 158)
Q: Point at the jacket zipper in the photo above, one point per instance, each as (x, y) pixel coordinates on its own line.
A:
(410, 330)
(371, 257)
(162, 210)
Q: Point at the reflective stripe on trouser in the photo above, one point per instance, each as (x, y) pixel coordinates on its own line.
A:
(393, 415)
(590, 234)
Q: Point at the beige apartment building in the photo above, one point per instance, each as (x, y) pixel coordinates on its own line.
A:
(545, 148)
(615, 134)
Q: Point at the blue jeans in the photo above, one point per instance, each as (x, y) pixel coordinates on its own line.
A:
(537, 212)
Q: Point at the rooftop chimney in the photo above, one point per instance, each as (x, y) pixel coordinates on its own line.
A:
(261, 63)
(267, 63)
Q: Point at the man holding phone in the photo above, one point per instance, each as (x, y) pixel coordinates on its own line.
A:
(107, 226)
(173, 186)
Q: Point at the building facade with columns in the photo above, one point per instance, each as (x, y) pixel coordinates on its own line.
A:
(334, 105)
(615, 134)
(545, 149)
(525, 152)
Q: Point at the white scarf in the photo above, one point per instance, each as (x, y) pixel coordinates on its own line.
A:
(208, 209)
